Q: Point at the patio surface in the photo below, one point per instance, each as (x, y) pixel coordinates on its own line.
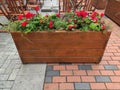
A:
(77, 76)
(60, 76)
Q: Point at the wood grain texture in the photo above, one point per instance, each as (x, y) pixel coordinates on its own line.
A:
(112, 10)
(42, 47)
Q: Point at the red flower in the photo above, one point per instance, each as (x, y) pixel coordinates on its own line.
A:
(75, 21)
(29, 15)
(24, 24)
(58, 15)
(78, 13)
(102, 14)
(20, 17)
(84, 14)
(37, 8)
(50, 24)
(70, 27)
(81, 13)
(94, 14)
(103, 27)
(95, 19)
(75, 26)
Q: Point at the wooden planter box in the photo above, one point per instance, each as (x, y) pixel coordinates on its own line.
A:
(39, 47)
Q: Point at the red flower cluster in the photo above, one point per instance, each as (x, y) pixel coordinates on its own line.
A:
(94, 16)
(102, 14)
(50, 24)
(58, 15)
(37, 8)
(24, 24)
(72, 26)
(20, 17)
(81, 13)
(29, 15)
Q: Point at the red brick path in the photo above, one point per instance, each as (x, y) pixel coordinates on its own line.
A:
(76, 76)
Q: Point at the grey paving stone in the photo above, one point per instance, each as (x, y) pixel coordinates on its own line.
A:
(6, 84)
(7, 62)
(4, 77)
(102, 79)
(49, 68)
(13, 74)
(29, 82)
(53, 73)
(32, 68)
(85, 67)
(17, 66)
(6, 89)
(2, 71)
(82, 86)
(48, 79)
(111, 67)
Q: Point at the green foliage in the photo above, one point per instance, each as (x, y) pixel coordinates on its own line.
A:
(60, 25)
(95, 26)
(79, 20)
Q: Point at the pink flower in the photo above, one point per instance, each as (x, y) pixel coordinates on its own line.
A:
(46, 15)
(24, 23)
(20, 17)
(103, 27)
(102, 14)
(95, 19)
(102, 22)
(50, 24)
(58, 15)
(37, 8)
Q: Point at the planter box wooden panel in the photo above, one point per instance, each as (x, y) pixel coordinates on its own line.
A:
(60, 59)
(61, 46)
(62, 52)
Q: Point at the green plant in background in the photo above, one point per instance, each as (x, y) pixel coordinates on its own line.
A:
(71, 21)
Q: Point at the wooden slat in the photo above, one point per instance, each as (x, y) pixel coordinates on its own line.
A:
(63, 36)
(59, 45)
(61, 53)
(61, 59)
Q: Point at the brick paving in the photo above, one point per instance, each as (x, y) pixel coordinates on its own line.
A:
(77, 76)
